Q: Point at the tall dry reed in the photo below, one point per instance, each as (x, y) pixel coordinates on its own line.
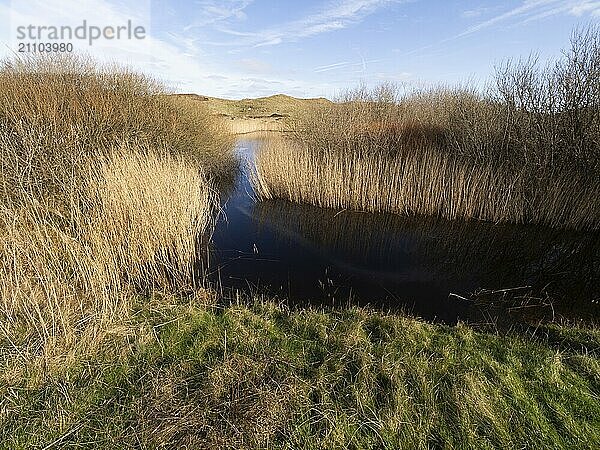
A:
(421, 182)
(58, 115)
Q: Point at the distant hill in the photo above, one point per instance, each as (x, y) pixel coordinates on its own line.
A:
(274, 106)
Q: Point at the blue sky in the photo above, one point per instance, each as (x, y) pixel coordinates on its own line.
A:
(249, 48)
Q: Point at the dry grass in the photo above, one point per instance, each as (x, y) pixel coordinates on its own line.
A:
(156, 221)
(65, 277)
(58, 116)
(107, 194)
(525, 151)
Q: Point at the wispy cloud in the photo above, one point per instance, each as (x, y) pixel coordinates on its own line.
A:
(210, 12)
(531, 10)
(336, 15)
(527, 11)
(346, 65)
(475, 12)
(331, 66)
(592, 8)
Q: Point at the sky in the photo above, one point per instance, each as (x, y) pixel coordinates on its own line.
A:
(251, 48)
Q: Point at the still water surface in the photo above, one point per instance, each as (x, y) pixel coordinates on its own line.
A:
(427, 266)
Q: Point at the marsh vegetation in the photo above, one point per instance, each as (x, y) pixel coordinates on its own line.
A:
(102, 199)
(524, 151)
(110, 335)
(432, 267)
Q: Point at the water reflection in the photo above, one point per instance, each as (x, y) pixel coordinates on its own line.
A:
(312, 255)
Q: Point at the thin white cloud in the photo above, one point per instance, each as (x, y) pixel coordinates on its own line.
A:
(588, 7)
(528, 11)
(210, 12)
(475, 12)
(335, 15)
(362, 64)
(331, 66)
(527, 7)
(531, 10)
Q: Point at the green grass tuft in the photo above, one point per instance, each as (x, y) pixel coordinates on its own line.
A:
(265, 377)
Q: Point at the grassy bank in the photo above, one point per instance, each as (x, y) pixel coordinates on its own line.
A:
(525, 150)
(186, 375)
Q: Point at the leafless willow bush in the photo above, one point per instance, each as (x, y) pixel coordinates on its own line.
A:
(552, 113)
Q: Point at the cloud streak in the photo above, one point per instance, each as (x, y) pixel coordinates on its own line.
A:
(212, 12)
(336, 15)
(345, 65)
(531, 10)
(528, 11)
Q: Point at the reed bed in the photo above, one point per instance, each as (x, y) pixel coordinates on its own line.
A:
(422, 182)
(156, 222)
(525, 150)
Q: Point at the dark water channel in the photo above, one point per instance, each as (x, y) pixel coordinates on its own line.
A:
(436, 269)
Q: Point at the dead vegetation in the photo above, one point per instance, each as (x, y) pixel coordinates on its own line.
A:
(106, 191)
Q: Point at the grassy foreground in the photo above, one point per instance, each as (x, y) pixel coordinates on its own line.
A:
(181, 374)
